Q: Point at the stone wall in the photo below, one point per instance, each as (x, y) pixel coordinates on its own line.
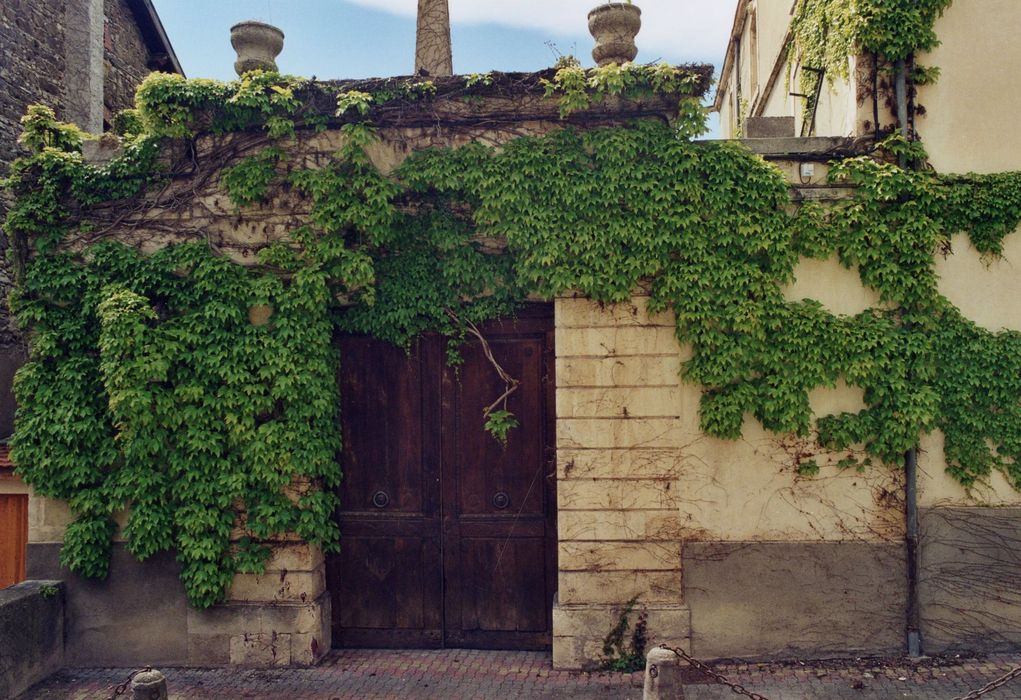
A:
(32, 630)
(729, 550)
(31, 71)
(32, 36)
(125, 58)
(58, 53)
(619, 463)
(139, 615)
(44, 41)
(282, 617)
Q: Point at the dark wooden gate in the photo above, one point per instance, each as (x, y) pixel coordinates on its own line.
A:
(447, 538)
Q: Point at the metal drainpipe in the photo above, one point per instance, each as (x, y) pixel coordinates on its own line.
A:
(914, 636)
(901, 94)
(911, 507)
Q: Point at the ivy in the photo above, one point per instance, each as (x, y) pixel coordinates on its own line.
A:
(170, 105)
(151, 388)
(249, 180)
(201, 395)
(579, 88)
(827, 33)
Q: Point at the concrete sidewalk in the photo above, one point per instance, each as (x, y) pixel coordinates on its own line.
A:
(496, 675)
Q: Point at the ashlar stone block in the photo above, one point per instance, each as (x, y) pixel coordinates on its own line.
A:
(260, 649)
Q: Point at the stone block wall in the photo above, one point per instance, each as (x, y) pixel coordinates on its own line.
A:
(619, 455)
(125, 57)
(32, 36)
(278, 618)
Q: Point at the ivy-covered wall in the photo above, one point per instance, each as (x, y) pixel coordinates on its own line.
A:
(197, 394)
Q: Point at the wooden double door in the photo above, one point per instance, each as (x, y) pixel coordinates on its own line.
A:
(448, 538)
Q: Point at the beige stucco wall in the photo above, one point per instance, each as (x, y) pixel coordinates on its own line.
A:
(971, 119)
(970, 111)
(838, 107)
(987, 291)
(759, 52)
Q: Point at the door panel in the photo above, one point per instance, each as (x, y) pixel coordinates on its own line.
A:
(382, 408)
(500, 578)
(499, 593)
(387, 580)
(447, 537)
(13, 538)
(485, 468)
(389, 593)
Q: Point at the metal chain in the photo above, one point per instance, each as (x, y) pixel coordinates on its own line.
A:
(123, 687)
(992, 685)
(709, 671)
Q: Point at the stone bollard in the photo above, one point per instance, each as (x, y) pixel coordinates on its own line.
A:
(662, 676)
(149, 685)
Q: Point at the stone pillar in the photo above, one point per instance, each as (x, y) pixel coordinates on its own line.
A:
(432, 39)
(278, 618)
(82, 97)
(619, 455)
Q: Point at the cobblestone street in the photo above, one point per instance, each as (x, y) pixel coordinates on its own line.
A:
(489, 675)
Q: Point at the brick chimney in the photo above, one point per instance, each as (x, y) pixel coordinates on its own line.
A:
(432, 39)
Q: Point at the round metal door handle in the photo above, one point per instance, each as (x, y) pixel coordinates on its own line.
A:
(380, 499)
(501, 500)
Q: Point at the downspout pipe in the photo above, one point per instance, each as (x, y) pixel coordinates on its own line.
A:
(901, 96)
(914, 634)
(913, 626)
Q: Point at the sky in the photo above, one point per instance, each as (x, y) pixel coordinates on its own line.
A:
(376, 38)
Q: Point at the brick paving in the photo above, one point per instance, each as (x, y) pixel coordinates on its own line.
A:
(496, 675)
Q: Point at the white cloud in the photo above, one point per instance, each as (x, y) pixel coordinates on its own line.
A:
(673, 30)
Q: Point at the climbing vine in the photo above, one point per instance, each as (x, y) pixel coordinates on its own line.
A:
(200, 394)
(826, 34)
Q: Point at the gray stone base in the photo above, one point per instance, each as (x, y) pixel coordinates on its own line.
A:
(970, 579)
(814, 599)
(139, 616)
(111, 622)
(31, 634)
(579, 630)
